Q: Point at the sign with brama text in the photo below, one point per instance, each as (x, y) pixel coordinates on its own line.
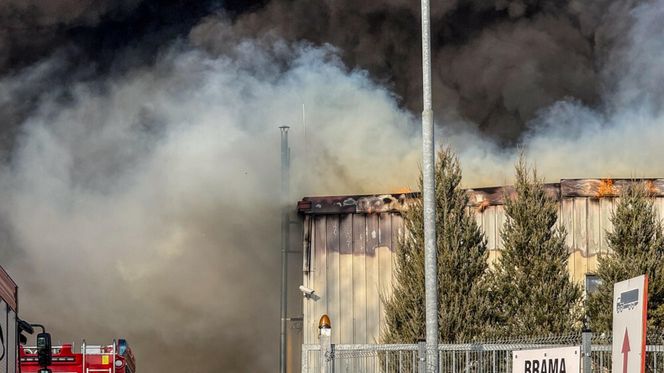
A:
(547, 360)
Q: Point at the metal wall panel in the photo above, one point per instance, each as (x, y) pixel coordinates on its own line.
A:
(352, 256)
(333, 278)
(580, 236)
(373, 286)
(318, 281)
(345, 326)
(489, 226)
(593, 233)
(384, 257)
(359, 279)
(500, 222)
(606, 206)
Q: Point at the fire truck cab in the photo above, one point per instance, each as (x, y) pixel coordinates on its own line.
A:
(114, 358)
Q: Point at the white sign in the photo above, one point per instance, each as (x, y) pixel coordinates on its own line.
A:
(630, 304)
(547, 360)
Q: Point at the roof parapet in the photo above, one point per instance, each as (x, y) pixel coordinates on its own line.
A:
(477, 197)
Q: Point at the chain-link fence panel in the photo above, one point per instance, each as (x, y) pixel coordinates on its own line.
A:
(473, 357)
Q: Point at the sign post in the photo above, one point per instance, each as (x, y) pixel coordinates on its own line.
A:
(547, 360)
(630, 305)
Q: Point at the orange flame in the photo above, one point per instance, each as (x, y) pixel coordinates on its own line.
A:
(606, 188)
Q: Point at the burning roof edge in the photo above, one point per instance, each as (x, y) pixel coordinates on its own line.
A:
(477, 197)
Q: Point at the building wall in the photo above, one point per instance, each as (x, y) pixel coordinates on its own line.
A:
(586, 221)
(350, 268)
(349, 244)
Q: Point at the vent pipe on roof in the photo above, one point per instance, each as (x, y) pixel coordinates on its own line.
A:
(285, 239)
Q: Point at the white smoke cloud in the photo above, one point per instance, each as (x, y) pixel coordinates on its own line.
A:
(147, 206)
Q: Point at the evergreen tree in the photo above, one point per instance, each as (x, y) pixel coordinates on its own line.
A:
(462, 265)
(531, 288)
(637, 245)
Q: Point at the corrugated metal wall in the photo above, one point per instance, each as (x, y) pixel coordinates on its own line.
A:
(348, 259)
(585, 219)
(350, 268)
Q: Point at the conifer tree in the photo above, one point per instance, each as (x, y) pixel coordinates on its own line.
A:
(637, 245)
(531, 287)
(462, 266)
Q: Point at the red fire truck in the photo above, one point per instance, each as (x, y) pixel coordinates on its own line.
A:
(114, 358)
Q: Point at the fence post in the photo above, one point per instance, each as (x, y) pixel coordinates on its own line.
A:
(421, 357)
(586, 350)
(326, 355)
(326, 347)
(331, 359)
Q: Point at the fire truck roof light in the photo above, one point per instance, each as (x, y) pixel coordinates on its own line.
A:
(122, 346)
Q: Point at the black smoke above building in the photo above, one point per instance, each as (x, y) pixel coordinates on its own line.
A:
(89, 39)
(496, 63)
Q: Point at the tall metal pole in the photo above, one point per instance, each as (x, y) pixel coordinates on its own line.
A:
(285, 239)
(428, 195)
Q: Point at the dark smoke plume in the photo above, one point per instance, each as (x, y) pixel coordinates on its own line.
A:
(31, 28)
(496, 63)
(89, 39)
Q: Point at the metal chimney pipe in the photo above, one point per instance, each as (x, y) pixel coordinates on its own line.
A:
(428, 196)
(285, 239)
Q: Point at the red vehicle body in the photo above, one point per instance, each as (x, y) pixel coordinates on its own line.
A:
(113, 358)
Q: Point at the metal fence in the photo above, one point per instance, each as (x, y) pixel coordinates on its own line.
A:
(601, 353)
(475, 357)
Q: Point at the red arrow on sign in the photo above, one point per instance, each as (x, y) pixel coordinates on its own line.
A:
(625, 351)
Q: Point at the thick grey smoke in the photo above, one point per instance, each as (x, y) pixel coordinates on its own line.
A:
(147, 206)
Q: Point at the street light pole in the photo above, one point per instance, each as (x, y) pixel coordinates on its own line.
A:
(428, 196)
